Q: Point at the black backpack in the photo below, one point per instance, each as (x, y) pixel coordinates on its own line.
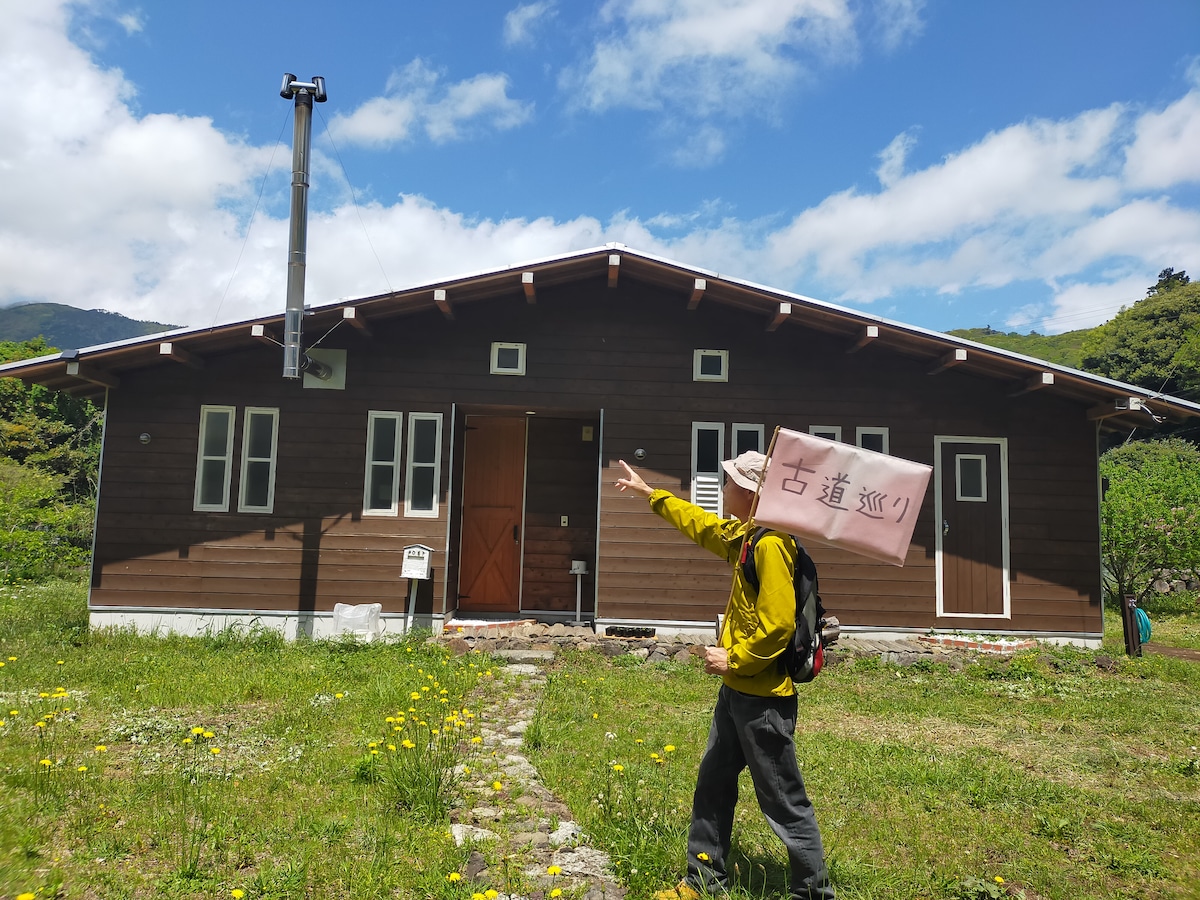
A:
(805, 654)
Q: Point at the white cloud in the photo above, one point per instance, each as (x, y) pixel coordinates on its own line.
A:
(898, 21)
(1166, 150)
(1082, 305)
(892, 158)
(701, 147)
(708, 56)
(416, 100)
(131, 22)
(520, 22)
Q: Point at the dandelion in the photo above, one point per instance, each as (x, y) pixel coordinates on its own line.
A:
(208, 735)
(60, 663)
(40, 724)
(338, 696)
(81, 769)
(414, 696)
(617, 767)
(496, 785)
(237, 894)
(478, 896)
(26, 896)
(12, 659)
(557, 892)
(214, 750)
(187, 740)
(670, 748)
(554, 870)
(199, 729)
(491, 894)
(392, 747)
(453, 876)
(100, 748)
(999, 880)
(407, 744)
(45, 762)
(14, 712)
(703, 857)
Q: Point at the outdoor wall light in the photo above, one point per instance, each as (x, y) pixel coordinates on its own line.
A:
(144, 437)
(639, 454)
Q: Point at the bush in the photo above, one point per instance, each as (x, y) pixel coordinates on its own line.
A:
(1150, 517)
(41, 535)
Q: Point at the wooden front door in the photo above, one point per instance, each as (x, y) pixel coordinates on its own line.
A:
(972, 500)
(489, 577)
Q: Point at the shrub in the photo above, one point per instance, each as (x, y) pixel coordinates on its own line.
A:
(41, 535)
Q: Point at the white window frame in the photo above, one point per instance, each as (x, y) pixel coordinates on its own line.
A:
(826, 430)
(739, 427)
(248, 415)
(496, 368)
(374, 417)
(707, 485)
(697, 358)
(983, 482)
(223, 506)
(413, 418)
(871, 429)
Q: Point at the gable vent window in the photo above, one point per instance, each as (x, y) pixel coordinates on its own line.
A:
(829, 432)
(508, 359)
(214, 459)
(710, 365)
(708, 448)
(383, 464)
(259, 441)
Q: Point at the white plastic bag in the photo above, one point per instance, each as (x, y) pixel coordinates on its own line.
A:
(361, 620)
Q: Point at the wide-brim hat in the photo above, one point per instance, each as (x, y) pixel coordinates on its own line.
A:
(747, 469)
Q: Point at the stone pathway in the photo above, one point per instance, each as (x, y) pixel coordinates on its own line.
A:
(523, 829)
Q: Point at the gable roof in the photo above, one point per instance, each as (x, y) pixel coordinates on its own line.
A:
(89, 371)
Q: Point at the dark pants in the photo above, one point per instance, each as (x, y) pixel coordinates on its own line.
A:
(754, 732)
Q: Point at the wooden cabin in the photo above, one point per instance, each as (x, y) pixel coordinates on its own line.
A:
(483, 418)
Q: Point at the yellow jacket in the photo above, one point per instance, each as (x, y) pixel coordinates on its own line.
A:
(757, 627)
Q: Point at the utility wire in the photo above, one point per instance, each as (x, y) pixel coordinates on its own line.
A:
(354, 200)
(246, 239)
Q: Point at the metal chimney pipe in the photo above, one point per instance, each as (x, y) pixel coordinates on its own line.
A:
(295, 360)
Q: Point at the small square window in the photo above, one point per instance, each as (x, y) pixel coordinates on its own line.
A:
(508, 359)
(970, 478)
(710, 365)
(871, 438)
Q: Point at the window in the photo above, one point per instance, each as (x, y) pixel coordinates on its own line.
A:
(214, 458)
(259, 437)
(382, 489)
(508, 359)
(422, 481)
(829, 432)
(870, 438)
(708, 447)
(710, 365)
(970, 477)
(747, 437)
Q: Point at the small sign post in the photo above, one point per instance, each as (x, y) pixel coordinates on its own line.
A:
(417, 566)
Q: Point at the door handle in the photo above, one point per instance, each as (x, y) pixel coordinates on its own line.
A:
(945, 527)
(516, 539)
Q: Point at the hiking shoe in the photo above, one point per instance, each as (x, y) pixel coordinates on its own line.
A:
(681, 891)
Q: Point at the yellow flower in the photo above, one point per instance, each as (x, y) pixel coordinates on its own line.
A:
(999, 880)
(414, 696)
(557, 892)
(14, 712)
(491, 894)
(595, 715)
(670, 748)
(478, 896)
(496, 785)
(237, 894)
(40, 724)
(199, 729)
(453, 876)
(407, 744)
(703, 857)
(60, 663)
(81, 769)
(45, 762)
(617, 767)
(391, 747)
(214, 750)
(12, 659)
(100, 748)
(554, 870)
(209, 734)
(43, 695)
(372, 745)
(338, 696)
(477, 740)
(187, 740)
(26, 896)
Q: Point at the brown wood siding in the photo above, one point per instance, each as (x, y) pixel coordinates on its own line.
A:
(627, 351)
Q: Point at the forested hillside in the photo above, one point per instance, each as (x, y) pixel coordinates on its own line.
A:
(1065, 349)
(67, 327)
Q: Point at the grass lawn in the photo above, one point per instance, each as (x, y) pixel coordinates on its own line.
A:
(1060, 777)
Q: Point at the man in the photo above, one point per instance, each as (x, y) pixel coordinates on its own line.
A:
(755, 715)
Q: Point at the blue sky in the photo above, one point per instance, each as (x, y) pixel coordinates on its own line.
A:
(1024, 165)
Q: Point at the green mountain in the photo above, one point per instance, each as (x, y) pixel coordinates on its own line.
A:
(66, 327)
(1065, 349)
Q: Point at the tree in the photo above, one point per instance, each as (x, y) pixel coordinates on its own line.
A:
(1153, 343)
(1150, 517)
(40, 534)
(49, 430)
